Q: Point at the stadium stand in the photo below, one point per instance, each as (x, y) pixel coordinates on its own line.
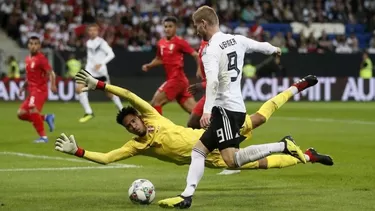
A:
(341, 26)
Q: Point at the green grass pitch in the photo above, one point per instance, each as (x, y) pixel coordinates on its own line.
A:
(343, 130)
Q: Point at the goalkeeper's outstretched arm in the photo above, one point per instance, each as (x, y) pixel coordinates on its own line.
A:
(69, 146)
(109, 157)
(138, 103)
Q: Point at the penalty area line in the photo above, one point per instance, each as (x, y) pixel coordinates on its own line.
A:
(67, 168)
(45, 157)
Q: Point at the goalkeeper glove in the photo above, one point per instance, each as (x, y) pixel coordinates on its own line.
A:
(85, 78)
(68, 145)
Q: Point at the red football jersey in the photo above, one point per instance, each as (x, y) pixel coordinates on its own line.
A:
(37, 68)
(171, 53)
(201, 47)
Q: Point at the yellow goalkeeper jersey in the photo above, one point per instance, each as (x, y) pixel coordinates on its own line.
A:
(164, 140)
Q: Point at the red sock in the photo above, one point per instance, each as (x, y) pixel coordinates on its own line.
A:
(24, 117)
(38, 123)
(43, 116)
(159, 109)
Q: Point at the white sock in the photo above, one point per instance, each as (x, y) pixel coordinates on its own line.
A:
(84, 100)
(117, 102)
(293, 89)
(307, 158)
(256, 152)
(196, 171)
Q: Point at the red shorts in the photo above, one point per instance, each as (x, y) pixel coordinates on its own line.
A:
(35, 99)
(176, 90)
(198, 109)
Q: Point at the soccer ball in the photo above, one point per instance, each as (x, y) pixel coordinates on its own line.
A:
(141, 191)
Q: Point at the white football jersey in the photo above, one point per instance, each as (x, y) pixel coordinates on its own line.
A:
(223, 59)
(98, 52)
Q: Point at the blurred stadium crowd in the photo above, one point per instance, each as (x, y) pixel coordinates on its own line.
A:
(341, 26)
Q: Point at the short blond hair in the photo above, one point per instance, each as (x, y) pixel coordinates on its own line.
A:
(206, 13)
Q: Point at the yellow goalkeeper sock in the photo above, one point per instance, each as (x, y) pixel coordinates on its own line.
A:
(276, 102)
(281, 161)
(251, 165)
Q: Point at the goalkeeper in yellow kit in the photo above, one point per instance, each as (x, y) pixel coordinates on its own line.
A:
(158, 137)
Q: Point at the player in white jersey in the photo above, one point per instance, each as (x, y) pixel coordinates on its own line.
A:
(224, 109)
(99, 53)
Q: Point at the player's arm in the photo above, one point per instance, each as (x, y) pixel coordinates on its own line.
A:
(155, 62)
(52, 78)
(138, 103)
(121, 153)
(108, 51)
(51, 74)
(22, 88)
(210, 61)
(260, 47)
(197, 87)
(69, 145)
(186, 48)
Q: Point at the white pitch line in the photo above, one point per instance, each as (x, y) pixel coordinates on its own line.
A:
(19, 154)
(66, 168)
(343, 121)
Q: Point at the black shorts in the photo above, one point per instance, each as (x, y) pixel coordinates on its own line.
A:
(103, 78)
(224, 129)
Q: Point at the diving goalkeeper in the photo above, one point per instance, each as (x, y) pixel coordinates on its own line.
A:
(159, 137)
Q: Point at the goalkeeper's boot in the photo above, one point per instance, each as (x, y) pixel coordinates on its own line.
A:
(42, 139)
(315, 157)
(86, 118)
(50, 119)
(305, 82)
(180, 202)
(292, 149)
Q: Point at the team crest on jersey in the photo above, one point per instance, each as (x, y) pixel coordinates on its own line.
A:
(150, 129)
(171, 47)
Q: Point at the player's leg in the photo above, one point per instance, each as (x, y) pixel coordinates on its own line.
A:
(269, 107)
(272, 161)
(163, 95)
(116, 100)
(229, 140)
(194, 120)
(23, 111)
(159, 100)
(282, 161)
(184, 98)
(84, 100)
(38, 123)
(207, 143)
(196, 114)
(187, 104)
(30, 111)
(196, 170)
(214, 160)
(24, 114)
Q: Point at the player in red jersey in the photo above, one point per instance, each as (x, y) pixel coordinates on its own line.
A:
(197, 112)
(38, 72)
(170, 54)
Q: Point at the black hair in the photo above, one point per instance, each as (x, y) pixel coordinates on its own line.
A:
(124, 112)
(33, 38)
(171, 19)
